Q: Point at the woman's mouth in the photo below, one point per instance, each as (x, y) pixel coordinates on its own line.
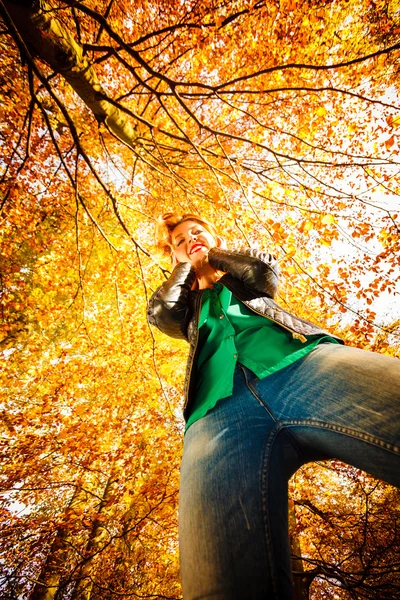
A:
(196, 248)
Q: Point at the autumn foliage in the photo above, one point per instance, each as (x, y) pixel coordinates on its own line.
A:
(278, 120)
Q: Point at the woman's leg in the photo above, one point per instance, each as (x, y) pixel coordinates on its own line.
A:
(233, 503)
(335, 402)
(341, 402)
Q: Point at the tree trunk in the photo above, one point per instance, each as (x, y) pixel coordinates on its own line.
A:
(59, 556)
(301, 584)
(48, 39)
(85, 577)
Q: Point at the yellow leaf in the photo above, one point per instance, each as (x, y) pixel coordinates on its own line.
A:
(288, 255)
(321, 111)
(328, 220)
(308, 225)
(396, 122)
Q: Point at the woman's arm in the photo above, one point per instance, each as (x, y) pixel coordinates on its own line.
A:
(256, 270)
(168, 308)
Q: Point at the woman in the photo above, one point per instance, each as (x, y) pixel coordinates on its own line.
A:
(265, 392)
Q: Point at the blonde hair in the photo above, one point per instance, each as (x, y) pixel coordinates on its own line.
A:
(166, 224)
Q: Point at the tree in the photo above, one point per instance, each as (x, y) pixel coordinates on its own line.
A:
(277, 119)
(348, 526)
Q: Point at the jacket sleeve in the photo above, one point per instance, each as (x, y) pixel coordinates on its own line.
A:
(256, 270)
(169, 308)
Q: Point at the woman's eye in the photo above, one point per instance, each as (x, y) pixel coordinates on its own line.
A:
(179, 243)
(198, 231)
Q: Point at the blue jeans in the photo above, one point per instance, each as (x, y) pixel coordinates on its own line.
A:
(337, 402)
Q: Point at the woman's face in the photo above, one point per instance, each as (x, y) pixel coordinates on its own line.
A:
(191, 241)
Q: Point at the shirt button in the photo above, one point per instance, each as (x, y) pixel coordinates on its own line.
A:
(221, 316)
(235, 356)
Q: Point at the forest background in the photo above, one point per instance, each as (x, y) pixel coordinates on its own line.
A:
(280, 121)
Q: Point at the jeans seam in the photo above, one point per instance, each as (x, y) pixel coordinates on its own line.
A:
(279, 424)
(344, 431)
(258, 397)
(262, 403)
(265, 503)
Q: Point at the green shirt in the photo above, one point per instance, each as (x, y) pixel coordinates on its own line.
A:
(231, 332)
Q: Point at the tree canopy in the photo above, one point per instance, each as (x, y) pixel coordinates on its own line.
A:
(279, 121)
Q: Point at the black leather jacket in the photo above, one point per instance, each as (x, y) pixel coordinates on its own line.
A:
(251, 275)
